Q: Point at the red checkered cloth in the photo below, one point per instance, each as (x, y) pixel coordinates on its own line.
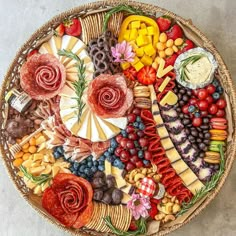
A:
(147, 187)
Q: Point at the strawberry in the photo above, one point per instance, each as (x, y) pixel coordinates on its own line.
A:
(174, 32)
(153, 211)
(130, 73)
(72, 27)
(147, 75)
(171, 60)
(133, 226)
(188, 44)
(32, 53)
(60, 30)
(164, 23)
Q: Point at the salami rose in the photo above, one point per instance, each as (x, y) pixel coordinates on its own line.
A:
(42, 76)
(69, 200)
(108, 96)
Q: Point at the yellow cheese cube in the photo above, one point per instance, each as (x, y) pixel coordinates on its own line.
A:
(150, 30)
(170, 98)
(149, 50)
(136, 60)
(125, 65)
(142, 40)
(146, 60)
(139, 52)
(149, 38)
(126, 35)
(138, 66)
(143, 25)
(143, 31)
(134, 45)
(133, 34)
(135, 24)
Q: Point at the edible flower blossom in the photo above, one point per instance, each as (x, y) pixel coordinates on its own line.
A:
(139, 206)
(122, 52)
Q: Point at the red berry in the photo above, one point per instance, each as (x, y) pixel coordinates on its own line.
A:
(131, 117)
(195, 92)
(193, 101)
(118, 151)
(185, 109)
(202, 94)
(130, 166)
(130, 129)
(133, 151)
(213, 109)
(118, 138)
(221, 103)
(170, 61)
(124, 156)
(136, 111)
(143, 142)
(130, 144)
(220, 113)
(187, 45)
(133, 226)
(175, 32)
(140, 133)
(204, 113)
(197, 121)
(203, 105)
(147, 155)
(147, 75)
(123, 142)
(139, 164)
(164, 23)
(211, 88)
(134, 159)
(209, 99)
(133, 136)
(73, 27)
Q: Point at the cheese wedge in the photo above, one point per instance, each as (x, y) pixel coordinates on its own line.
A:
(167, 143)
(173, 155)
(162, 132)
(188, 177)
(195, 186)
(107, 167)
(126, 198)
(180, 166)
(164, 84)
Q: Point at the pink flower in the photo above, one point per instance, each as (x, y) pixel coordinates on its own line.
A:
(139, 206)
(122, 52)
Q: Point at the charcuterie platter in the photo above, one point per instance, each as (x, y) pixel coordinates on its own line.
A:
(118, 118)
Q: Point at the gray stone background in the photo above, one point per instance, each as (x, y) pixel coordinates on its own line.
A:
(20, 18)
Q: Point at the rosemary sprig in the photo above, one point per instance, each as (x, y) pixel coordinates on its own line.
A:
(208, 187)
(81, 83)
(39, 180)
(185, 62)
(123, 7)
(142, 228)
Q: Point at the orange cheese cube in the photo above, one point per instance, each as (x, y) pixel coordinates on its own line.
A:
(149, 38)
(134, 45)
(139, 52)
(143, 31)
(136, 59)
(138, 66)
(146, 60)
(133, 34)
(149, 50)
(125, 65)
(142, 40)
(143, 25)
(150, 30)
(127, 35)
(135, 24)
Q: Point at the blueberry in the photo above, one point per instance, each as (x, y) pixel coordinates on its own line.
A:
(111, 150)
(102, 158)
(136, 124)
(94, 169)
(95, 163)
(197, 114)
(141, 126)
(60, 149)
(121, 166)
(138, 119)
(76, 165)
(216, 96)
(83, 175)
(146, 162)
(84, 162)
(215, 83)
(90, 158)
(74, 172)
(101, 168)
(90, 164)
(71, 169)
(57, 154)
(113, 144)
(136, 144)
(140, 153)
(116, 162)
(107, 154)
(82, 168)
(219, 89)
(88, 172)
(124, 133)
(108, 159)
(191, 108)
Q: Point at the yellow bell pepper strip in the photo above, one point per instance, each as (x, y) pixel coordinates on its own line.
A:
(154, 30)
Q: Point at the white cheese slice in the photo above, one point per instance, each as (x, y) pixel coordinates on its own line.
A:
(167, 143)
(52, 44)
(120, 122)
(66, 91)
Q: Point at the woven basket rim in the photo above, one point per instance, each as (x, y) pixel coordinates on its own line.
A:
(89, 7)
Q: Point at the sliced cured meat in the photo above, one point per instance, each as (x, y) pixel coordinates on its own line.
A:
(42, 76)
(108, 96)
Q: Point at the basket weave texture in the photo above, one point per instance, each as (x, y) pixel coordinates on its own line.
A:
(45, 32)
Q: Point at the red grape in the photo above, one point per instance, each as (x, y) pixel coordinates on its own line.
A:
(195, 92)
(185, 109)
(124, 156)
(143, 142)
(133, 136)
(213, 109)
(147, 155)
(137, 111)
(133, 151)
(203, 105)
(134, 159)
(197, 121)
(140, 133)
(139, 164)
(193, 101)
(130, 166)
(118, 151)
(220, 113)
(209, 99)
(130, 144)
(204, 113)
(130, 129)
(123, 142)
(118, 138)
(211, 88)
(131, 117)
(202, 94)
(221, 103)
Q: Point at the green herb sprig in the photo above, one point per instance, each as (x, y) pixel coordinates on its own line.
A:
(185, 62)
(142, 228)
(39, 180)
(123, 7)
(79, 84)
(208, 187)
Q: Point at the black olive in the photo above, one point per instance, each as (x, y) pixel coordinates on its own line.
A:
(179, 96)
(187, 131)
(189, 93)
(175, 90)
(186, 116)
(178, 109)
(207, 135)
(191, 138)
(217, 167)
(200, 135)
(198, 140)
(207, 141)
(195, 146)
(97, 194)
(205, 120)
(204, 126)
(202, 154)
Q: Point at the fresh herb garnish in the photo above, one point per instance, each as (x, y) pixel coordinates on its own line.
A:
(79, 84)
(119, 8)
(141, 224)
(185, 62)
(39, 180)
(208, 187)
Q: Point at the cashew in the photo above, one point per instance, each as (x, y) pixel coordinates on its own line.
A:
(156, 178)
(176, 208)
(132, 174)
(160, 216)
(169, 218)
(164, 200)
(168, 207)
(137, 184)
(144, 171)
(138, 177)
(177, 201)
(173, 199)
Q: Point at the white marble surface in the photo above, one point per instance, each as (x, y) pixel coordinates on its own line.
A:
(20, 18)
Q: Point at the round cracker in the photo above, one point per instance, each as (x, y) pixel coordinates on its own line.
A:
(102, 214)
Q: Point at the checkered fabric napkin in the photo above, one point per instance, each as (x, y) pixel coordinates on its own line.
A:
(147, 187)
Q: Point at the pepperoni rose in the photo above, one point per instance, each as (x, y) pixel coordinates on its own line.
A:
(69, 200)
(42, 76)
(108, 96)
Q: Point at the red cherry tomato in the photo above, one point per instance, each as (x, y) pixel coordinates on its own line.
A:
(118, 138)
(185, 109)
(124, 156)
(143, 142)
(202, 94)
(134, 159)
(202, 105)
(130, 144)
(147, 155)
(209, 99)
(133, 136)
(211, 88)
(193, 101)
(221, 103)
(220, 113)
(197, 121)
(213, 109)
(204, 113)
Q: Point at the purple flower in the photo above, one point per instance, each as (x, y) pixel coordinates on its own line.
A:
(139, 206)
(122, 52)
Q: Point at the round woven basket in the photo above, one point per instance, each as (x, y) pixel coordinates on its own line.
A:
(42, 34)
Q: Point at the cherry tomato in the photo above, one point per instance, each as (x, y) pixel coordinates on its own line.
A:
(220, 113)
(185, 109)
(137, 111)
(193, 101)
(221, 103)
(123, 142)
(147, 155)
(118, 138)
(209, 99)
(133, 136)
(203, 105)
(130, 166)
(202, 94)
(195, 92)
(118, 151)
(131, 117)
(213, 109)
(130, 129)
(211, 88)
(197, 121)
(130, 144)
(140, 133)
